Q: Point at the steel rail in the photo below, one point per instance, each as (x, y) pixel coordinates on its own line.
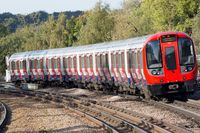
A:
(186, 113)
(3, 116)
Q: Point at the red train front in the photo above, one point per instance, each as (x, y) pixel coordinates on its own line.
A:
(169, 64)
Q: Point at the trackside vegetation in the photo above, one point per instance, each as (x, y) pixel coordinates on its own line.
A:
(134, 18)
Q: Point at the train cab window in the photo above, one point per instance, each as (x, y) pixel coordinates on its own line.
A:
(153, 54)
(170, 58)
(186, 51)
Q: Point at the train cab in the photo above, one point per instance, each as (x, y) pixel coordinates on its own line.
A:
(171, 63)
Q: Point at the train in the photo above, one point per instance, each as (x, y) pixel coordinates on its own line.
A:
(155, 65)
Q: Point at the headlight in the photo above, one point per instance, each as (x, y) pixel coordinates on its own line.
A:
(158, 71)
(153, 72)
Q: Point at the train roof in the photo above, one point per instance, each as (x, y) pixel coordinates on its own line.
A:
(137, 42)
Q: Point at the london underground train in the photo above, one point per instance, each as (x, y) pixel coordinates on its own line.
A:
(154, 65)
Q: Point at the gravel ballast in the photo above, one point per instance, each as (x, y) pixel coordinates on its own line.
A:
(30, 115)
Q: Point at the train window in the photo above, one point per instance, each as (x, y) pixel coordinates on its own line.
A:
(13, 65)
(24, 64)
(98, 61)
(74, 59)
(103, 61)
(82, 62)
(114, 61)
(72, 62)
(186, 51)
(49, 63)
(88, 61)
(17, 64)
(21, 65)
(38, 64)
(153, 54)
(122, 59)
(138, 58)
(41, 63)
(69, 62)
(106, 56)
(141, 61)
(117, 60)
(170, 58)
(129, 57)
(91, 61)
(65, 62)
(32, 63)
(135, 61)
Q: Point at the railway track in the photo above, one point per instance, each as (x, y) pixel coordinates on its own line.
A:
(176, 108)
(3, 115)
(113, 119)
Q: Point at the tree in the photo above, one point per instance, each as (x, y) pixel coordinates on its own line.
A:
(98, 27)
(196, 32)
(3, 31)
(171, 15)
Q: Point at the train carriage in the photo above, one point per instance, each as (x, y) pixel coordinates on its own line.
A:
(154, 65)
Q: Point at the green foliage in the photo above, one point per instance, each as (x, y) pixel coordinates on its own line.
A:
(3, 31)
(196, 32)
(18, 21)
(40, 30)
(98, 27)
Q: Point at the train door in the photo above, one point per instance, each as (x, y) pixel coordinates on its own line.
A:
(122, 66)
(75, 73)
(118, 63)
(90, 68)
(170, 60)
(134, 65)
(106, 66)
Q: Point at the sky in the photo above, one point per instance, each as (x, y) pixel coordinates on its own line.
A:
(29, 6)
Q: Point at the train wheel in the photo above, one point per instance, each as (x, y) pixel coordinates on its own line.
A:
(146, 93)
